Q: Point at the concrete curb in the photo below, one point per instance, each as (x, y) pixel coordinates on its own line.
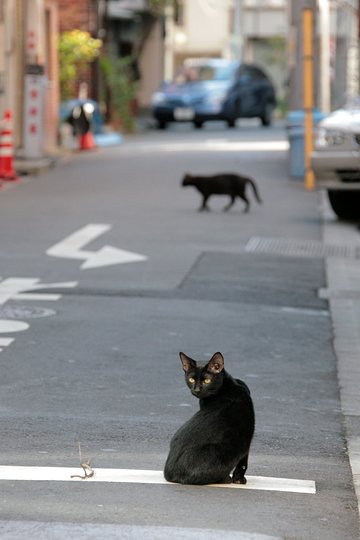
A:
(343, 281)
(36, 166)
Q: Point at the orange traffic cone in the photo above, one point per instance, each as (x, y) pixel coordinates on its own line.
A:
(7, 171)
(87, 141)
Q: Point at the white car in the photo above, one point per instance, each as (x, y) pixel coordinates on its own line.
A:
(336, 160)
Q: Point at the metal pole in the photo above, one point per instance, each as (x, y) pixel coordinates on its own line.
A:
(169, 43)
(324, 23)
(308, 67)
(237, 37)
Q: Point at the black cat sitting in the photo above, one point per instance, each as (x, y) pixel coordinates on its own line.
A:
(230, 184)
(216, 440)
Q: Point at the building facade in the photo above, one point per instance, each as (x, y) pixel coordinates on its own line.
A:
(132, 29)
(29, 73)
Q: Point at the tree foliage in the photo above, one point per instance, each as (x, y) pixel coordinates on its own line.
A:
(76, 50)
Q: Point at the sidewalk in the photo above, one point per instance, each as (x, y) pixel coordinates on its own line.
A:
(343, 292)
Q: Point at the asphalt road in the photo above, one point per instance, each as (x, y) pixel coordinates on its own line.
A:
(99, 363)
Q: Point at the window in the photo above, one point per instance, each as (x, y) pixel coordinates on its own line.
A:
(204, 72)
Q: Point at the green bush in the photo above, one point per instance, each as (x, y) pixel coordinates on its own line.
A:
(121, 88)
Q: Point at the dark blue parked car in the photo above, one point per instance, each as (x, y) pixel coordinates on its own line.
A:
(215, 89)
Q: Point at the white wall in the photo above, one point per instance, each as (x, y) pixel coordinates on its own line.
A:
(206, 28)
(266, 23)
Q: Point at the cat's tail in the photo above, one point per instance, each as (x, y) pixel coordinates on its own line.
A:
(255, 190)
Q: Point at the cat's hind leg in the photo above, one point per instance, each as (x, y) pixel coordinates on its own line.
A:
(247, 202)
(240, 470)
(228, 206)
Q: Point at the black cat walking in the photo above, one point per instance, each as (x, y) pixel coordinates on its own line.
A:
(216, 440)
(230, 184)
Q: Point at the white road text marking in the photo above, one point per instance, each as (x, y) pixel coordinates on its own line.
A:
(14, 289)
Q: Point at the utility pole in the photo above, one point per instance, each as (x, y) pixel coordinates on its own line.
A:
(169, 43)
(296, 75)
(308, 86)
(237, 43)
(324, 26)
(35, 81)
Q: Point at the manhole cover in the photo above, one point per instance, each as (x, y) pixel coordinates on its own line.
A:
(300, 248)
(24, 312)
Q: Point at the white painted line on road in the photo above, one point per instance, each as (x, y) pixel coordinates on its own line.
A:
(135, 476)
(39, 530)
(40, 296)
(208, 146)
(71, 248)
(305, 311)
(252, 146)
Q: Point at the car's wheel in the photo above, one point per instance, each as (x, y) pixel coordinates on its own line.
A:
(266, 116)
(161, 124)
(345, 203)
(198, 124)
(231, 122)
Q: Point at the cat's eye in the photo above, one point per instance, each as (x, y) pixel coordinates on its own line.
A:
(191, 380)
(207, 380)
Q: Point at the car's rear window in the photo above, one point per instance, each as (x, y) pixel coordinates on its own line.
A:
(199, 73)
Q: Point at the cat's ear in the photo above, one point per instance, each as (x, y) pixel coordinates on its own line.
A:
(216, 364)
(187, 363)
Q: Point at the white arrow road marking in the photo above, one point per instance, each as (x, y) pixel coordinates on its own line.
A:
(71, 248)
(135, 476)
